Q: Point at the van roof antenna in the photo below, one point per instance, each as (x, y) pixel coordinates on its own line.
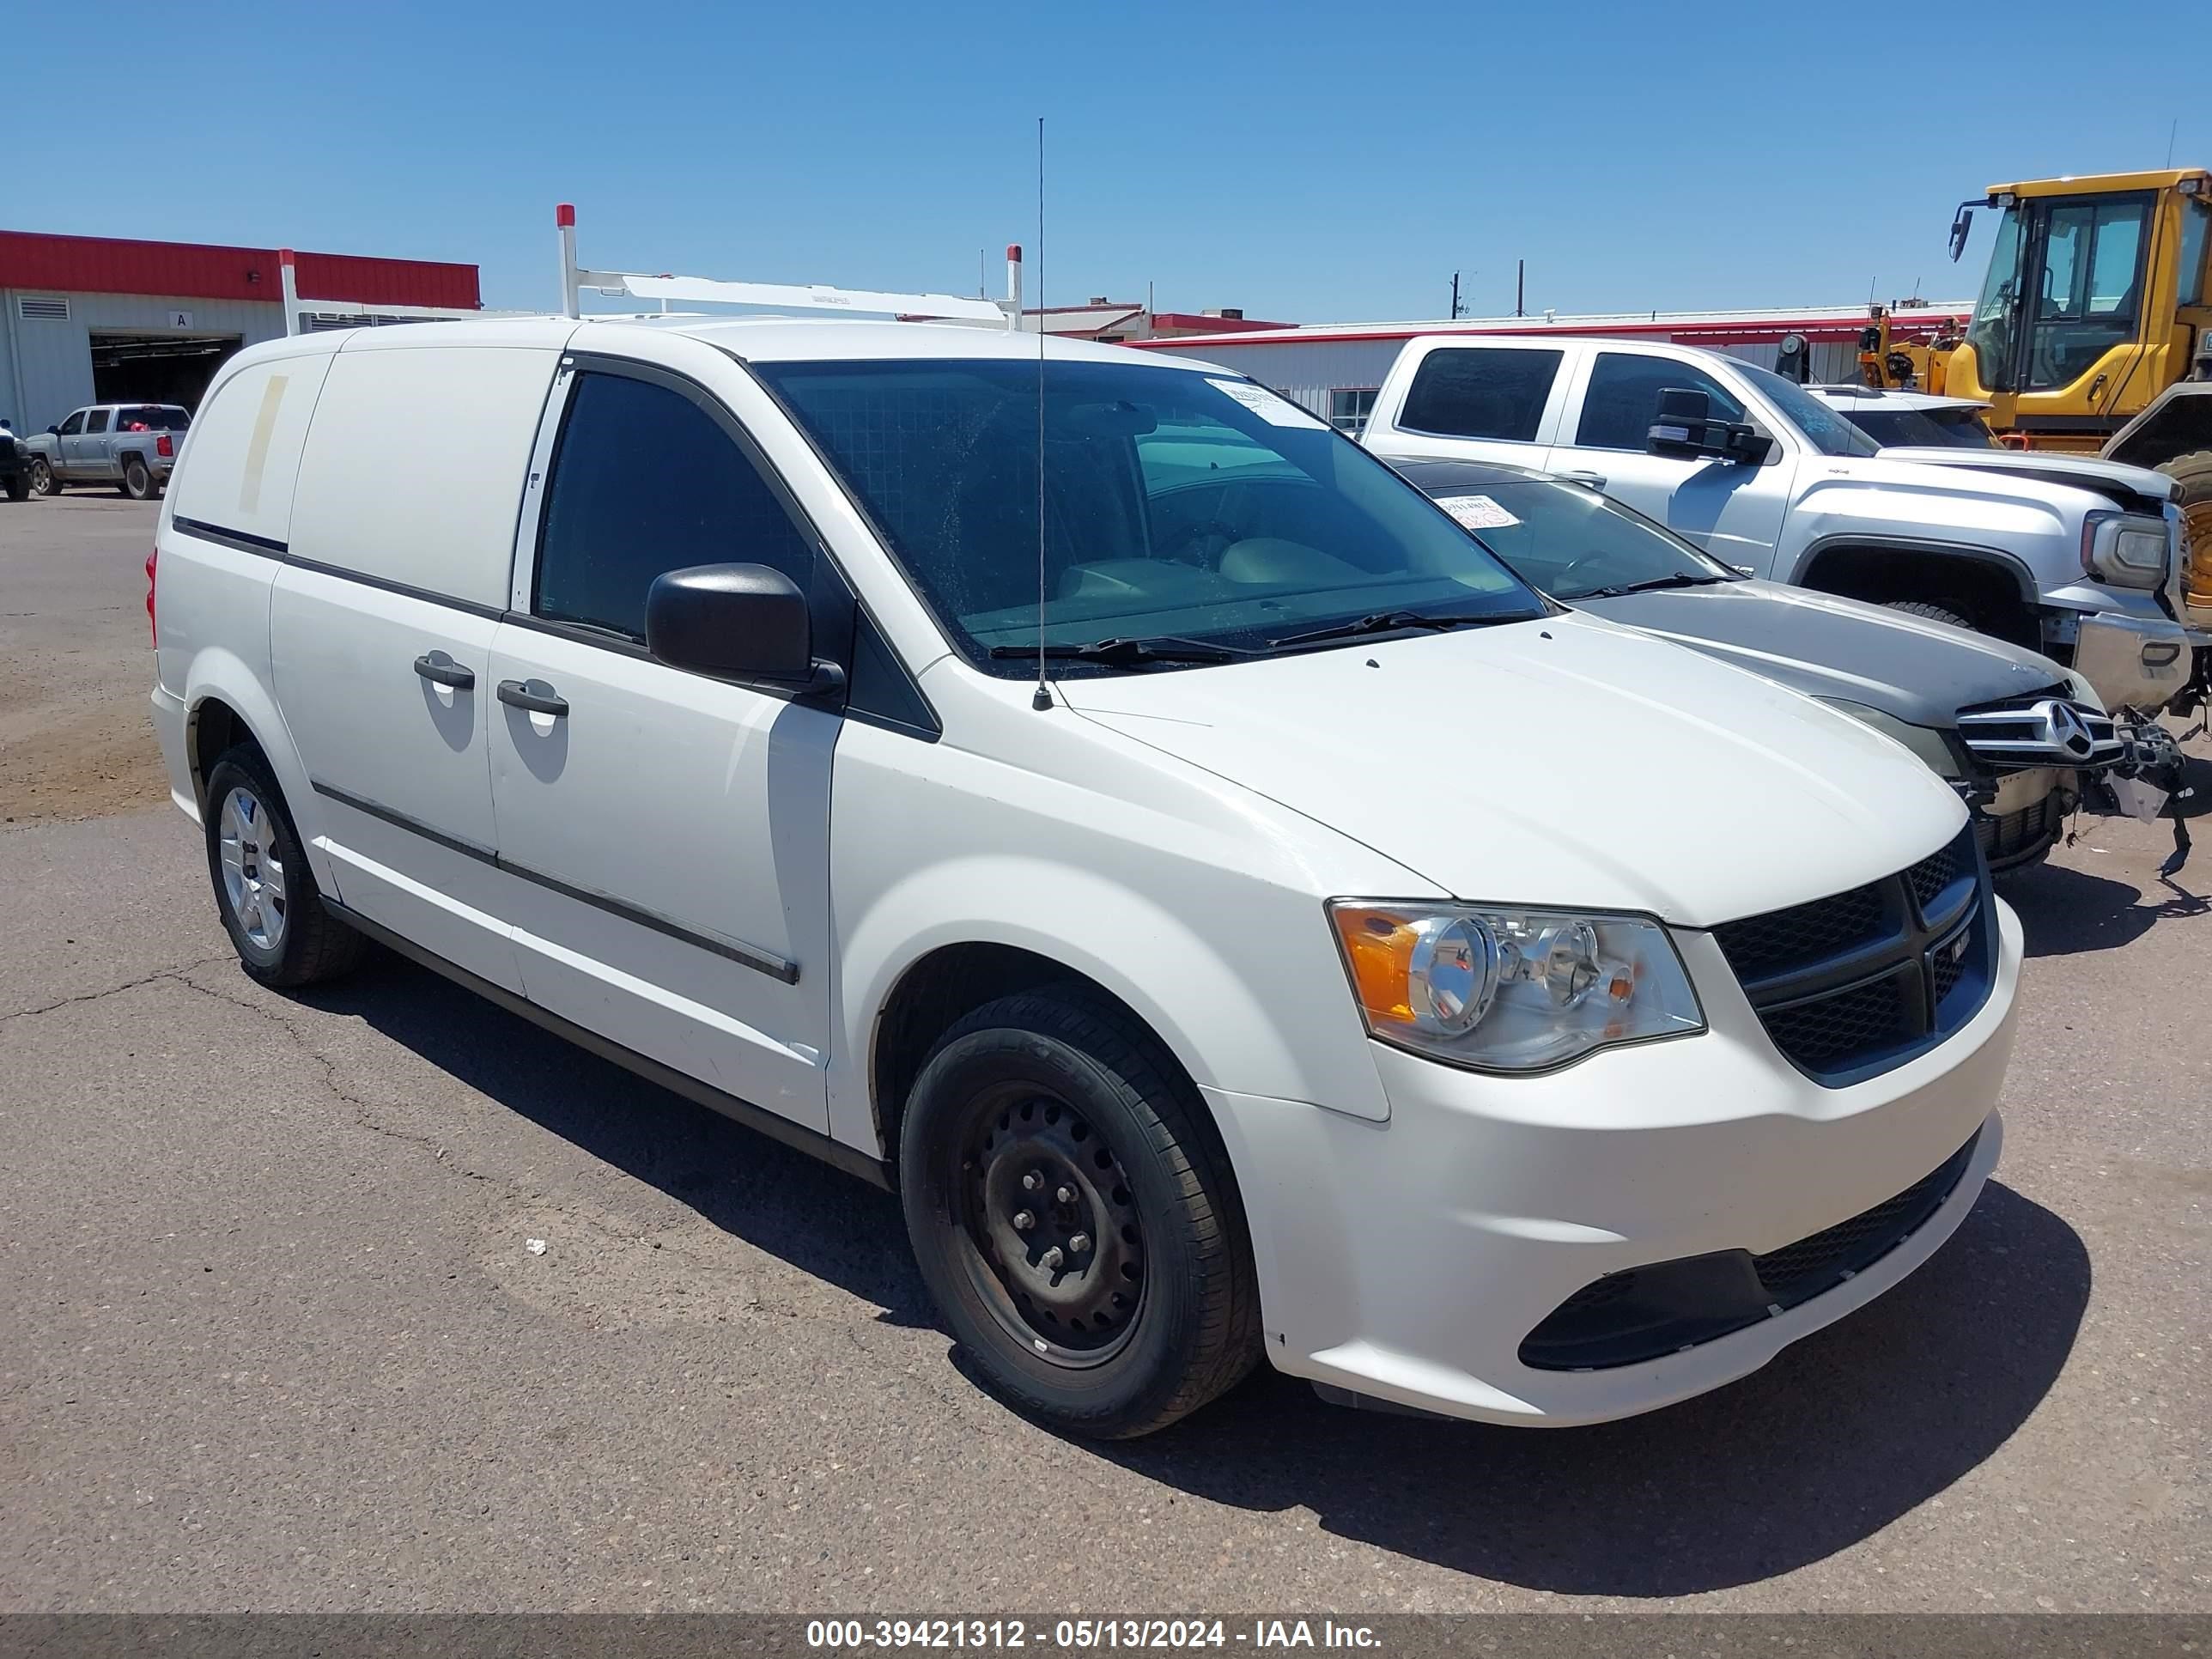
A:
(1042, 700)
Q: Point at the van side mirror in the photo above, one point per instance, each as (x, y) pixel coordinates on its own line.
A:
(1686, 429)
(736, 622)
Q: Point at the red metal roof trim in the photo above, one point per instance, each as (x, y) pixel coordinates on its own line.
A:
(103, 265)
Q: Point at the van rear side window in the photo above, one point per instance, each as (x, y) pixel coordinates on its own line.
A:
(414, 466)
(1481, 393)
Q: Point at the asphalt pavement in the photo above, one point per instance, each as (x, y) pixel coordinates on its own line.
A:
(273, 1335)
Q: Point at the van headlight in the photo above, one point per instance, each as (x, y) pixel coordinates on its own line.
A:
(1511, 990)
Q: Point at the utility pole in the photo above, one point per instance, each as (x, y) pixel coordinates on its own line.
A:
(1520, 287)
(1455, 308)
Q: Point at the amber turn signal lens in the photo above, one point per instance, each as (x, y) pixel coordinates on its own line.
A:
(1379, 947)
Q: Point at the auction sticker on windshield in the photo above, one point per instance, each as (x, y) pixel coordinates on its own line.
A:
(1274, 411)
(1476, 512)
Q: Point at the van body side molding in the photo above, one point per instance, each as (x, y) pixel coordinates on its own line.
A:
(237, 540)
(744, 955)
(851, 1159)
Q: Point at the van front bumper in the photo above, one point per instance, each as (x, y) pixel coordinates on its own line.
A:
(1410, 1260)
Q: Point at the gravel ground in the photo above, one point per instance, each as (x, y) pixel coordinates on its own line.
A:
(271, 1338)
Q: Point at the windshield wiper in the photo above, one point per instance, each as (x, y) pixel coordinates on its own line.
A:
(1389, 621)
(1125, 652)
(1649, 585)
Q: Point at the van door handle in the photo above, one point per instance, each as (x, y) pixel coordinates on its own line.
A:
(517, 694)
(1596, 481)
(441, 669)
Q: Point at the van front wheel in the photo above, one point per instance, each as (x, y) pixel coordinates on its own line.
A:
(1074, 1216)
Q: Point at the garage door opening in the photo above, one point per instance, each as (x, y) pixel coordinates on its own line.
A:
(157, 368)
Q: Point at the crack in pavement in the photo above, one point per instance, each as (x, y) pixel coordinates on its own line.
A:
(177, 973)
(364, 1111)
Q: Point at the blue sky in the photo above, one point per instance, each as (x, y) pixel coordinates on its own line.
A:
(1305, 161)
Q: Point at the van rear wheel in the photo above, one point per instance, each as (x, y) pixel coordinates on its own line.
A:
(1072, 1209)
(264, 893)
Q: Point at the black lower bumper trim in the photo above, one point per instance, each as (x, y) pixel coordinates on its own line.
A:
(1646, 1313)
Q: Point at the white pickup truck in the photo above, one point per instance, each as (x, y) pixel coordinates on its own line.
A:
(2074, 561)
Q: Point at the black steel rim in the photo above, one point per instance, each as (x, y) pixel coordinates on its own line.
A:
(1049, 1228)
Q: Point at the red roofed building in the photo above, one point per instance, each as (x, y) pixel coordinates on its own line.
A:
(95, 319)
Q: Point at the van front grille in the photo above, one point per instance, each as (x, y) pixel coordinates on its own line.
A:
(1851, 986)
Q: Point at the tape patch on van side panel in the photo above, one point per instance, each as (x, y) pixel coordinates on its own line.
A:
(256, 448)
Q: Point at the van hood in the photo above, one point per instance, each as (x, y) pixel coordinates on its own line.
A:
(2138, 489)
(1568, 762)
(1919, 672)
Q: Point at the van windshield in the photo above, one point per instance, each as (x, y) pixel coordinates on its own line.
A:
(1176, 503)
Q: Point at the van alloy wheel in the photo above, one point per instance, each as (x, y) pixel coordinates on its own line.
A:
(253, 872)
(1057, 1244)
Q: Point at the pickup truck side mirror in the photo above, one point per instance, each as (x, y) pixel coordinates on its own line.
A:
(53, 432)
(736, 622)
(1687, 430)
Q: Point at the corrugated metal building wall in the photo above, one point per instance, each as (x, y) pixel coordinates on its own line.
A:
(46, 360)
(58, 293)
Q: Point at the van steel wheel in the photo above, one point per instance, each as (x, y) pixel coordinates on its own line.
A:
(1071, 1208)
(263, 891)
(137, 482)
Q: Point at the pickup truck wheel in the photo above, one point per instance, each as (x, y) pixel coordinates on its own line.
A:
(1942, 613)
(263, 891)
(43, 480)
(137, 482)
(1073, 1215)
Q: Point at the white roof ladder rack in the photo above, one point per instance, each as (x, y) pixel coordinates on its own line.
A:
(782, 296)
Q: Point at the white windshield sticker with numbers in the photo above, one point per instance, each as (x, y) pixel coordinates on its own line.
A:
(1476, 512)
(1275, 411)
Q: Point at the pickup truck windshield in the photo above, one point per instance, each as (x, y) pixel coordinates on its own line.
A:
(1824, 428)
(1177, 504)
(1571, 541)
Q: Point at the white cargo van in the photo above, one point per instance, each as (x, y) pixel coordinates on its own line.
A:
(1331, 949)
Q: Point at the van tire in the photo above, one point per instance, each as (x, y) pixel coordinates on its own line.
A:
(137, 480)
(1162, 1316)
(285, 938)
(1942, 613)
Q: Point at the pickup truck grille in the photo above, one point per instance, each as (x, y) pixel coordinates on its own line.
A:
(1851, 986)
(2048, 729)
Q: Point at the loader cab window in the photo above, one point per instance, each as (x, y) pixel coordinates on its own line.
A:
(2196, 232)
(2064, 286)
(2089, 287)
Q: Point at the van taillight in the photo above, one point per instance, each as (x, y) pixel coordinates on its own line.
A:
(152, 623)
(163, 447)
